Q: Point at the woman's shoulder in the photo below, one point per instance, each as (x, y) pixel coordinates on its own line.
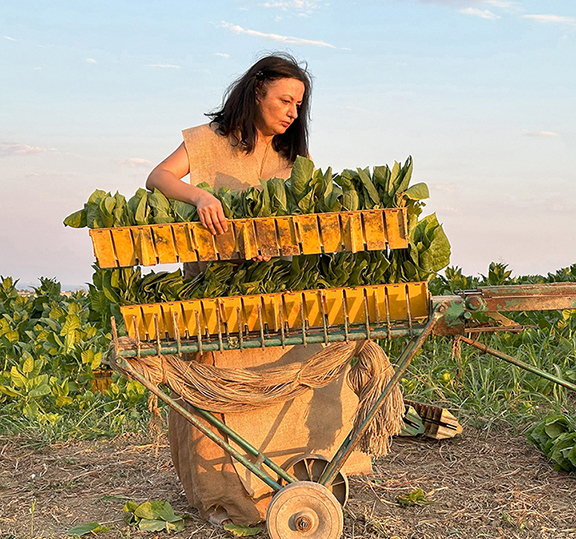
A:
(201, 132)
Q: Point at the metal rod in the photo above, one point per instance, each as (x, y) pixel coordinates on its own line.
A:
(240, 328)
(244, 444)
(334, 336)
(124, 365)
(366, 315)
(198, 331)
(510, 359)
(324, 320)
(157, 331)
(261, 324)
(353, 438)
(303, 321)
(177, 332)
(219, 324)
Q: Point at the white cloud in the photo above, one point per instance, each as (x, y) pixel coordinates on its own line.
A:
(10, 38)
(91, 61)
(19, 148)
(136, 162)
(509, 7)
(545, 134)
(169, 66)
(446, 187)
(275, 37)
(293, 5)
(557, 19)
(482, 13)
(222, 54)
(452, 3)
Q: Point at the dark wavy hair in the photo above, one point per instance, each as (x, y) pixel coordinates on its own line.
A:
(235, 118)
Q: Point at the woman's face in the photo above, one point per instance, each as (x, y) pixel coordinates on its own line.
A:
(277, 105)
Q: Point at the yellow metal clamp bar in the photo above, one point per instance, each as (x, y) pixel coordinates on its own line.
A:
(211, 318)
(316, 233)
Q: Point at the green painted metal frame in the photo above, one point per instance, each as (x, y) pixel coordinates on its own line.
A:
(331, 336)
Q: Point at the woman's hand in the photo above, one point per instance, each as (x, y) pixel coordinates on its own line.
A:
(210, 212)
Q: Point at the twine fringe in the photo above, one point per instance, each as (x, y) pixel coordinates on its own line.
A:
(240, 390)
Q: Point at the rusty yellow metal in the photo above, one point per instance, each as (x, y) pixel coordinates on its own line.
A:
(103, 247)
(124, 247)
(204, 242)
(352, 231)
(185, 248)
(330, 230)
(247, 238)
(308, 234)
(267, 238)
(393, 302)
(226, 244)
(164, 244)
(146, 253)
(374, 234)
(396, 228)
(287, 236)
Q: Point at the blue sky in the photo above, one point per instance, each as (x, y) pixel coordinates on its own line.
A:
(482, 94)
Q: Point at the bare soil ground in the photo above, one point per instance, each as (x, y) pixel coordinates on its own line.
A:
(492, 485)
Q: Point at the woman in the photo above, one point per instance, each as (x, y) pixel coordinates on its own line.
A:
(258, 133)
(260, 130)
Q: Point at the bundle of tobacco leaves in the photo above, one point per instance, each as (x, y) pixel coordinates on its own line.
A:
(306, 191)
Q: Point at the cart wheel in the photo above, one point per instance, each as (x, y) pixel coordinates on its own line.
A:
(310, 468)
(304, 510)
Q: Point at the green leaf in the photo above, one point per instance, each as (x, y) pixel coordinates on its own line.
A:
(151, 525)
(90, 527)
(130, 507)
(76, 219)
(302, 171)
(418, 191)
(369, 186)
(242, 531)
(40, 391)
(155, 509)
(18, 379)
(28, 365)
(416, 497)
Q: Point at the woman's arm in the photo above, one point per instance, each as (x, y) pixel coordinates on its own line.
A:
(167, 177)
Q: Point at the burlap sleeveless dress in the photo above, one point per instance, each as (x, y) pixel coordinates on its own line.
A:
(315, 423)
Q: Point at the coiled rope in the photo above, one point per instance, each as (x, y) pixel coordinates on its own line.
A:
(223, 390)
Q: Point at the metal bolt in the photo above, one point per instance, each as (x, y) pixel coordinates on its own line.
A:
(302, 524)
(474, 302)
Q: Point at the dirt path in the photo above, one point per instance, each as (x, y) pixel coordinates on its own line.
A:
(493, 486)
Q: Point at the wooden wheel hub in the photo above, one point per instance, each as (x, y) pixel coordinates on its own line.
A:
(304, 510)
(310, 468)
